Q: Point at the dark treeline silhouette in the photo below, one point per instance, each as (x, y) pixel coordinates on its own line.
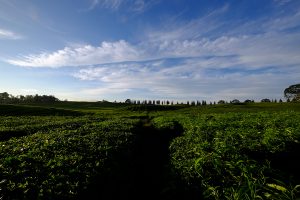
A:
(292, 94)
(165, 102)
(8, 98)
(197, 102)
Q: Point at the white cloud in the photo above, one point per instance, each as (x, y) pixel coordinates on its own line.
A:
(7, 34)
(107, 52)
(29, 91)
(192, 79)
(258, 50)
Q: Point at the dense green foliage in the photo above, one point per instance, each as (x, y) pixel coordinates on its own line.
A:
(239, 155)
(246, 151)
(61, 161)
(292, 92)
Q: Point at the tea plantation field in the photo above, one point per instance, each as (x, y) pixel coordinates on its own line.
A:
(89, 151)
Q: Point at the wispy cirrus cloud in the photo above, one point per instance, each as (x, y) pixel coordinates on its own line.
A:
(140, 6)
(9, 35)
(282, 2)
(109, 4)
(137, 6)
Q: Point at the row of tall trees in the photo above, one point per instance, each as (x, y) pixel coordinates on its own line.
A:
(292, 94)
(8, 98)
(194, 103)
(163, 102)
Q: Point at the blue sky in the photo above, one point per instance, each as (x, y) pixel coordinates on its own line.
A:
(150, 49)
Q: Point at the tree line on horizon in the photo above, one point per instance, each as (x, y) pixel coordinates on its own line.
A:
(196, 103)
(8, 98)
(292, 94)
